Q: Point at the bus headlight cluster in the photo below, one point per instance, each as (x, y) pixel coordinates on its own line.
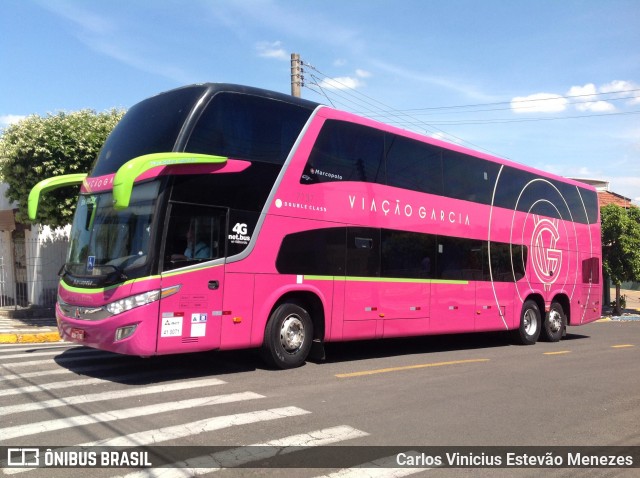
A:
(128, 303)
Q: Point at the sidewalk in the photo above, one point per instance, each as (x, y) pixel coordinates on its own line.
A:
(632, 309)
(27, 329)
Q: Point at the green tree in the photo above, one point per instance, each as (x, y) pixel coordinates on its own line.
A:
(38, 147)
(620, 245)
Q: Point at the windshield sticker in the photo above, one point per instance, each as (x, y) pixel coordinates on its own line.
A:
(172, 324)
(241, 234)
(91, 262)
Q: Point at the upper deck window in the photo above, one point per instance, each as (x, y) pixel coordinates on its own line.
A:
(242, 126)
(151, 126)
(346, 152)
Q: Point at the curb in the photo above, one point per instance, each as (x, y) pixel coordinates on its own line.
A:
(18, 338)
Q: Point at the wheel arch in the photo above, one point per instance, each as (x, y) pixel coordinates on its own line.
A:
(309, 301)
(565, 303)
(539, 300)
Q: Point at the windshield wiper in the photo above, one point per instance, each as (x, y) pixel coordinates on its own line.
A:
(116, 276)
(113, 277)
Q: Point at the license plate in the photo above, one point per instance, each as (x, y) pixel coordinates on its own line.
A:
(77, 334)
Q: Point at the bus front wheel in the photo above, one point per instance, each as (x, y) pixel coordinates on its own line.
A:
(530, 323)
(288, 336)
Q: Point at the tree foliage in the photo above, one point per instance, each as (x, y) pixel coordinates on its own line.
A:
(620, 245)
(38, 147)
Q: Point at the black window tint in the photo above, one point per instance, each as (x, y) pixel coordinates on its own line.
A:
(413, 165)
(247, 190)
(459, 259)
(591, 271)
(317, 252)
(530, 193)
(507, 262)
(571, 195)
(590, 199)
(242, 225)
(151, 126)
(363, 252)
(194, 234)
(242, 126)
(346, 152)
(407, 254)
(468, 178)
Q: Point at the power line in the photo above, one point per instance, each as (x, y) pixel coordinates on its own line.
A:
(338, 92)
(536, 100)
(377, 109)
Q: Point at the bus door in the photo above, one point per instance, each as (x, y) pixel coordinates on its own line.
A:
(192, 278)
(453, 294)
(362, 287)
(387, 288)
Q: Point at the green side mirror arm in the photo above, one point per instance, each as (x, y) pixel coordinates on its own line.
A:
(129, 171)
(47, 185)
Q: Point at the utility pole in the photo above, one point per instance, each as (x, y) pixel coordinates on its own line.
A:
(296, 75)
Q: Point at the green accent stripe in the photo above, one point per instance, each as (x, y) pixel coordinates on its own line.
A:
(306, 277)
(129, 171)
(102, 290)
(195, 269)
(387, 279)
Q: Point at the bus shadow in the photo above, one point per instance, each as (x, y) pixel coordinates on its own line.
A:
(368, 349)
(132, 370)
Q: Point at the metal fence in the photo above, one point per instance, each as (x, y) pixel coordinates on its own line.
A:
(29, 263)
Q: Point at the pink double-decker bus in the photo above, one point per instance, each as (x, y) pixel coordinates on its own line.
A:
(222, 217)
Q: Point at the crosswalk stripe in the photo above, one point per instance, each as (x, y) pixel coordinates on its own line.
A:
(114, 395)
(381, 468)
(62, 371)
(75, 352)
(14, 348)
(150, 437)
(258, 451)
(45, 387)
(112, 415)
(94, 355)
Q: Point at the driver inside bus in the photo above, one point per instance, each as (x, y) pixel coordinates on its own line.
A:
(196, 247)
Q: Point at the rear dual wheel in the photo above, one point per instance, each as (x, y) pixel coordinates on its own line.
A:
(554, 324)
(530, 323)
(533, 327)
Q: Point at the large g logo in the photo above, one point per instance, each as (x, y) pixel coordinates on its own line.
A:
(546, 257)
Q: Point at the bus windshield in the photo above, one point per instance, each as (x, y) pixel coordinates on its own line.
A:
(108, 245)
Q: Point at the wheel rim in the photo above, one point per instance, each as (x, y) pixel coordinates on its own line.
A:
(292, 334)
(530, 322)
(555, 321)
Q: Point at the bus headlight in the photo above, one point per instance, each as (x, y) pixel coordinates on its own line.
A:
(128, 303)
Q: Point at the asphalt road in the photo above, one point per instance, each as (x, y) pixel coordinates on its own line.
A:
(452, 391)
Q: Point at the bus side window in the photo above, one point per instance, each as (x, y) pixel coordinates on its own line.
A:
(194, 234)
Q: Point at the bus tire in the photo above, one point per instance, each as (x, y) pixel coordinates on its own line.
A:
(554, 323)
(288, 336)
(530, 324)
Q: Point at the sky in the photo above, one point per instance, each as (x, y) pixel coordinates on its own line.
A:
(553, 84)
